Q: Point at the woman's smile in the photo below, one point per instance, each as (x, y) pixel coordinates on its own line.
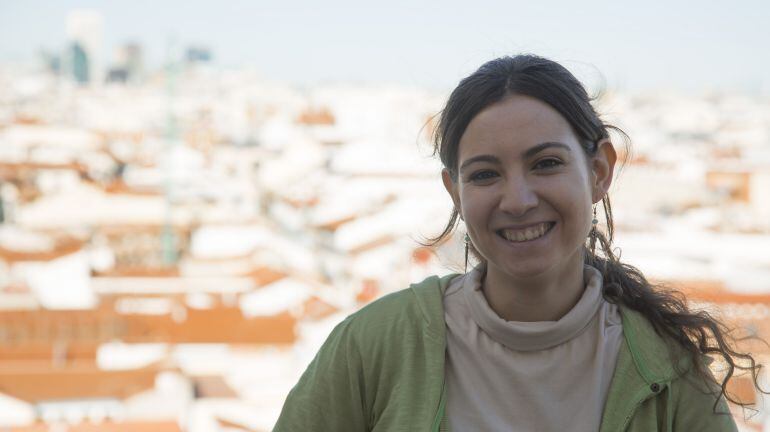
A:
(527, 234)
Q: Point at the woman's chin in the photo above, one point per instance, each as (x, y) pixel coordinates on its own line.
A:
(523, 270)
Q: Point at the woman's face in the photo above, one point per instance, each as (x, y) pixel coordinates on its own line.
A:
(525, 187)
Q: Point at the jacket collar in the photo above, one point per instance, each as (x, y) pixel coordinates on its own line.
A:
(657, 358)
(644, 365)
(649, 351)
(430, 299)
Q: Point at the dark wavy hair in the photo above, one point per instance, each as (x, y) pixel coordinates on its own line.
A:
(698, 332)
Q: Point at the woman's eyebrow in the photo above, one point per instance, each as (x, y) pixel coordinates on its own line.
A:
(479, 158)
(528, 153)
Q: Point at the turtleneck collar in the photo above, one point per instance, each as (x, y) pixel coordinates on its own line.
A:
(533, 336)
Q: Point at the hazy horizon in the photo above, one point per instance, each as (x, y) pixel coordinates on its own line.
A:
(689, 47)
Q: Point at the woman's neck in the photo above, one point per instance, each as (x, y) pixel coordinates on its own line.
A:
(545, 297)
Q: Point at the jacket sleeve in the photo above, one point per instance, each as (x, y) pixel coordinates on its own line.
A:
(694, 407)
(329, 395)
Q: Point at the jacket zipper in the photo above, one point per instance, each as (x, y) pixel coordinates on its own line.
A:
(441, 408)
(631, 415)
(639, 403)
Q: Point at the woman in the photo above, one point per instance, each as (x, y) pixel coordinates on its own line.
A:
(545, 334)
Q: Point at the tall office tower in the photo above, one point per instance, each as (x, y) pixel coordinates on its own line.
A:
(198, 54)
(128, 57)
(79, 63)
(85, 33)
(127, 66)
(134, 63)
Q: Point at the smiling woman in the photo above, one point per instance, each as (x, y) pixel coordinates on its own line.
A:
(546, 333)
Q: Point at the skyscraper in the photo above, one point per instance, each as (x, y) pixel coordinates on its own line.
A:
(134, 62)
(79, 63)
(129, 58)
(128, 63)
(198, 54)
(85, 33)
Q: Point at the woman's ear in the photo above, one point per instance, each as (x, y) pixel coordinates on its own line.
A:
(602, 169)
(451, 187)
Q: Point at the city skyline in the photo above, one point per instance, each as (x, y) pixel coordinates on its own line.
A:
(427, 45)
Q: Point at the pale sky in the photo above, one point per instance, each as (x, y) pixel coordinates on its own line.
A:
(687, 45)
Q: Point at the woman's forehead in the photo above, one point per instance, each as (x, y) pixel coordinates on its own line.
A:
(513, 124)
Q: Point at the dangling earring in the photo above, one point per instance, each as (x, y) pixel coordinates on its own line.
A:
(593, 233)
(467, 242)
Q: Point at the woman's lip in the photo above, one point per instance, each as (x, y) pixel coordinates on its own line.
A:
(550, 228)
(520, 227)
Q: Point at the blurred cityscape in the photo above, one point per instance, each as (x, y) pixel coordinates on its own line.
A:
(175, 244)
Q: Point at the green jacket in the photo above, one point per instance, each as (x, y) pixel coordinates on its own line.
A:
(382, 369)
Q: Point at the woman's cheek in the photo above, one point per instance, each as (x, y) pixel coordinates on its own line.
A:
(474, 206)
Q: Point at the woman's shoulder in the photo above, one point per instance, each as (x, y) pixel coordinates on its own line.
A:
(656, 355)
(415, 307)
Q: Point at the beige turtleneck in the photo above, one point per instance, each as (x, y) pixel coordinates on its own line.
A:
(528, 376)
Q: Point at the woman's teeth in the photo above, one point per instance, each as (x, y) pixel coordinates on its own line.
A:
(527, 234)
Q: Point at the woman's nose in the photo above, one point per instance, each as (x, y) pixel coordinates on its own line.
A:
(518, 197)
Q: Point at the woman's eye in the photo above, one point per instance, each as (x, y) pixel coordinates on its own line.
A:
(482, 175)
(548, 163)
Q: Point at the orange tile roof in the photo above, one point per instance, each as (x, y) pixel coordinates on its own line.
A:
(321, 116)
(423, 254)
(379, 241)
(179, 228)
(231, 425)
(742, 389)
(172, 271)
(314, 308)
(48, 351)
(32, 166)
(26, 119)
(62, 248)
(334, 224)
(264, 275)
(716, 292)
(223, 324)
(129, 426)
(213, 386)
(220, 325)
(370, 290)
(120, 187)
(38, 381)
(299, 203)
